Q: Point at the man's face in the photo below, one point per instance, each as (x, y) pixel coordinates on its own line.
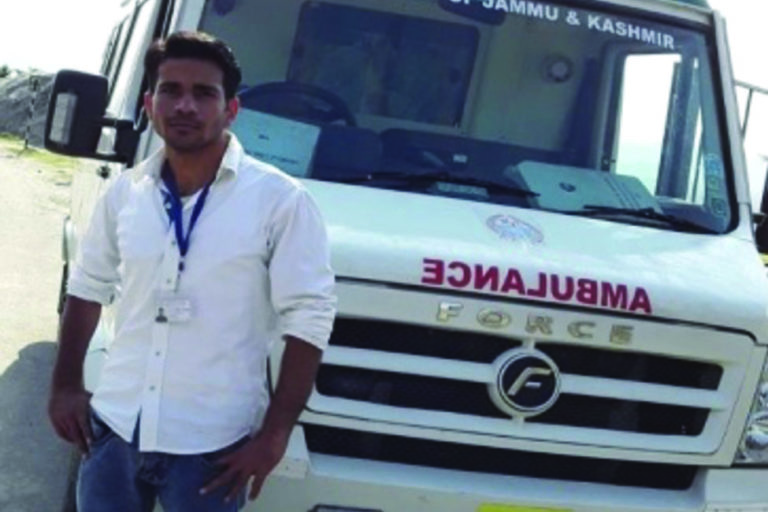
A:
(188, 107)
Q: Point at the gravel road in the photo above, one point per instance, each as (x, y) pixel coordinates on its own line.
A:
(33, 203)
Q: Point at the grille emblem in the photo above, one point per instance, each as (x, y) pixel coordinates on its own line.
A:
(527, 383)
(525, 380)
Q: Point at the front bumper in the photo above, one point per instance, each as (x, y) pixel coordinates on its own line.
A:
(304, 481)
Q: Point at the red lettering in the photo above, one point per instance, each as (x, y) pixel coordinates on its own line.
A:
(541, 291)
(586, 292)
(614, 296)
(490, 276)
(434, 272)
(513, 281)
(641, 301)
(557, 293)
(562, 288)
(464, 270)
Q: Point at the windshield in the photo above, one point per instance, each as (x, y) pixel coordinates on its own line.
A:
(528, 104)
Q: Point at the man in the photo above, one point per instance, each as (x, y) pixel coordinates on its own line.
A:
(212, 256)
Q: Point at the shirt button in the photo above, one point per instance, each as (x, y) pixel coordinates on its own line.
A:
(158, 353)
(151, 388)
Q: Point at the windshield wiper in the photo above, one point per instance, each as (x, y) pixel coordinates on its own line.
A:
(594, 210)
(433, 177)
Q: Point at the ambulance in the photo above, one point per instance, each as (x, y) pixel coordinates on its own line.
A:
(550, 297)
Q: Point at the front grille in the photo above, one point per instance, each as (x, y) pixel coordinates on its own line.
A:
(634, 367)
(480, 348)
(418, 391)
(429, 393)
(409, 391)
(418, 340)
(669, 396)
(625, 416)
(444, 455)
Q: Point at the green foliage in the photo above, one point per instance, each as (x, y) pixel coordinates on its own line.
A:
(49, 161)
(4, 71)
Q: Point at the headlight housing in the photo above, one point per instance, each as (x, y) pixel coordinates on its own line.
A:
(753, 448)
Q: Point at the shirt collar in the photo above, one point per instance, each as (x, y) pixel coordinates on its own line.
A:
(230, 162)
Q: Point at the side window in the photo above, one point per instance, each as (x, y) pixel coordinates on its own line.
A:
(128, 68)
(660, 138)
(115, 44)
(643, 113)
(753, 103)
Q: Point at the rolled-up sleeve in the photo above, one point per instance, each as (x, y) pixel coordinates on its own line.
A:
(301, 279)
(95, 276)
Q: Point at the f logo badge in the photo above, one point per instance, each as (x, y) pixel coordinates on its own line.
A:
(527, 382)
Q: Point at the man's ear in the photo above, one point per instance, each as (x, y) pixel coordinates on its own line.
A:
(233, 107)
(148, 105)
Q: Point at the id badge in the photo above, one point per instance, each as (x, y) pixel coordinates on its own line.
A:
(174, 309)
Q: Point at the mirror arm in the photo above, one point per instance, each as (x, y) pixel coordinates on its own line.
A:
(126, 140)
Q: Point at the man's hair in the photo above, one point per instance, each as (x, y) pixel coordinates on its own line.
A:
(194, 45)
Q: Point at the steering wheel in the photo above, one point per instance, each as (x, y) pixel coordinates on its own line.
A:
(298, 101)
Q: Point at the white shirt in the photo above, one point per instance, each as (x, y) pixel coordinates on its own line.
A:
(257, 269)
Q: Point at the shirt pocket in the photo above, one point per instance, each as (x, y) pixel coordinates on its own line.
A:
(141, 234)
(231, 240)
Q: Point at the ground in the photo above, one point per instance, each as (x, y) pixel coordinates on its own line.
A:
(33, 202)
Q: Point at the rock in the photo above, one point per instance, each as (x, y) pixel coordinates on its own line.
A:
(21, 107)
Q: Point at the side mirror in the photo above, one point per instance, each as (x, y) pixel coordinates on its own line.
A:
(76, 117)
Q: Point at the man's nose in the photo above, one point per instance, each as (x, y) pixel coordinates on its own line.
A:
(186, 103)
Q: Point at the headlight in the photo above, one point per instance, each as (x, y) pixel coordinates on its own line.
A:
(754, 444)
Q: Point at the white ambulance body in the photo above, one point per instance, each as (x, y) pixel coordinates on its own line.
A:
(549, 293)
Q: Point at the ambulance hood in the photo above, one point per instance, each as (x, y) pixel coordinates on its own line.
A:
(530, 255)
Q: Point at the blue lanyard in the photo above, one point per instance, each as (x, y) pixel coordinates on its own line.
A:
(175, 208)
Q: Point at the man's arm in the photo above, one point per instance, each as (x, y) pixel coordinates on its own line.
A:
(69, 401)
(259, 457)
(298, 370)
(301, 291)
(92, 281)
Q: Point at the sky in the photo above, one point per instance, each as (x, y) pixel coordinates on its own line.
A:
(747, 22)
(54, 34)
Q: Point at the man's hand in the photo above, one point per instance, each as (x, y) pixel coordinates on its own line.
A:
(68, 410)
(69, 402)
(256, 459)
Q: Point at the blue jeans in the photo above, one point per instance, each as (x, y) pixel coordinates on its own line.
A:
(116, 477)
